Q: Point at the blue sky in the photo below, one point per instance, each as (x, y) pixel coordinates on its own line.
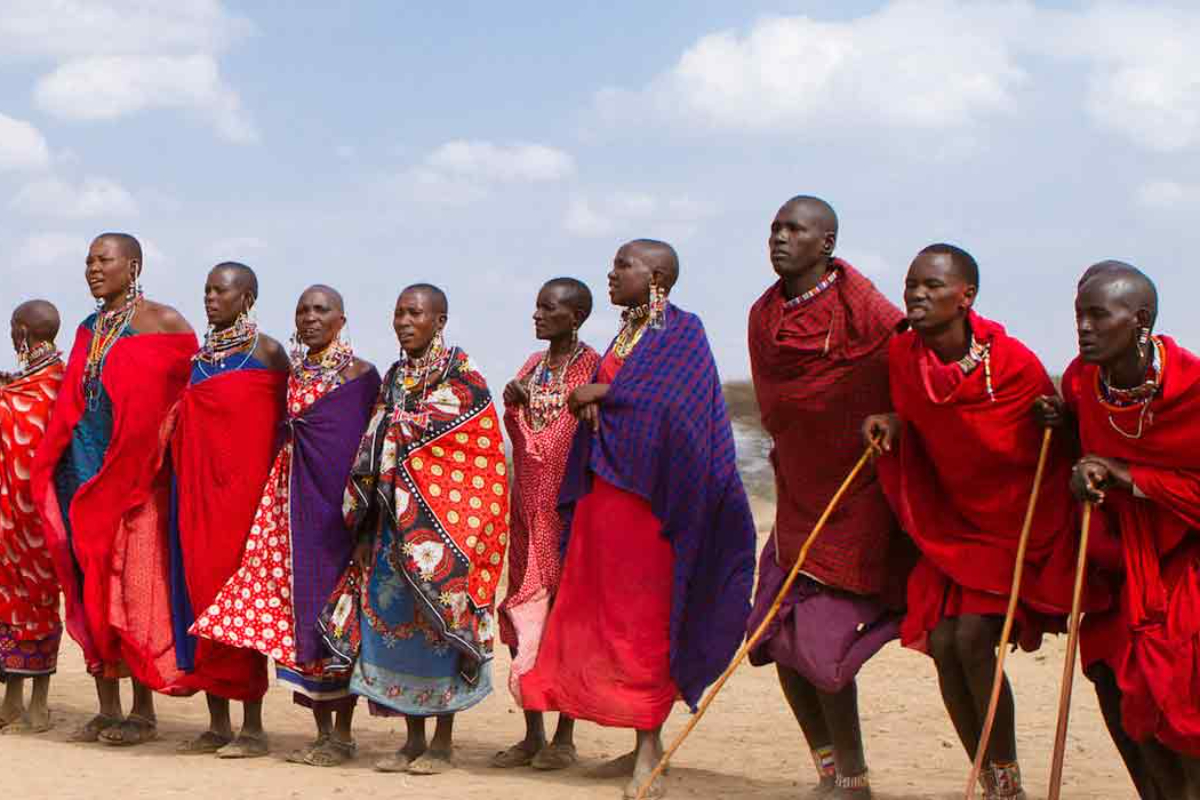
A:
(487, 147)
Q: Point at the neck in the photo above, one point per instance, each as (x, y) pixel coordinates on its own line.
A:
(949, 343)
(1129, 370)
(562, 345)
(116, 301)
(796, 285)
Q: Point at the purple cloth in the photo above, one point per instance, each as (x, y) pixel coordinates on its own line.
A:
(823, 633)
(325, 439)
(665, 436)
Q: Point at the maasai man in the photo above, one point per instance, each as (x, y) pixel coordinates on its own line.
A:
(99, 493)
(428, 497)
(541, 431)
(660, 554)
(1135, 398)
(298, 546)
(818, 355)
(30, 628)
(223, 441)
(961, 452)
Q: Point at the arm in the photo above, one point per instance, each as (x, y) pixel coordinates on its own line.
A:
(271, 354)
(585, 402)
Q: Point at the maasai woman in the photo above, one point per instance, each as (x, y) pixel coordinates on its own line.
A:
(30, 628)
(428, 497)
(102, 500)
(298, 546)
(224, 439)
(541, 432)
(655, 589)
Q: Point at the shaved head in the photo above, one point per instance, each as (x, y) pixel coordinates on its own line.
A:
(243, 277)
(664, 259)
(40, 318)
(128, 245)
(964, 263)
(820, 210)
(1126, 283)
(576, 293)
(335, 297)
(437, 297)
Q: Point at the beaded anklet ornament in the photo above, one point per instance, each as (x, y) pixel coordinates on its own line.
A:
(853, 781)
(824, 762)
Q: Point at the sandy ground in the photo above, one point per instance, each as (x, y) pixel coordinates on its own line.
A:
(747, 746)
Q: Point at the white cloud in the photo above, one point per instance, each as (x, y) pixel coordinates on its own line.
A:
(516, 163)
(52, 250)
(93, 197)
(238, 248)
(22, 146)
(584, 220)
(1166, 194)
(637, 213)
(113, 58)
(789, 73)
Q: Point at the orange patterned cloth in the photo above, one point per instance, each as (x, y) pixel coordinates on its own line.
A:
(30, 627)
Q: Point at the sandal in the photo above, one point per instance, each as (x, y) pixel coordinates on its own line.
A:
(245, 746)
(91, 731)
(133, 731)
(432, 764)
(23, 727)
(205, 744)
(301, 756)
(515, 756)
(555, 756)
(396, 762)
(333, 753)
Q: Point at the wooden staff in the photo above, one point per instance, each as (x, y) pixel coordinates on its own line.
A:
(1014, 596)
(1064, 698)
(761, 629)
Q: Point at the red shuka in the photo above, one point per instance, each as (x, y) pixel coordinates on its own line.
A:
(819, 370)
(120, 616)
(225, 436)
(960, 481)
(1152, 640)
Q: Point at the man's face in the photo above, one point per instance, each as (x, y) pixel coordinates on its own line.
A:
(798, 240)
(1105, 323)
(935, 295)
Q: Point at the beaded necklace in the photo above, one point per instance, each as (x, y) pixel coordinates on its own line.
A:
(37, 358)
(414, 373)
(829, 279)
(633, 326)
(978, 353)
(548, 389)
(1141, 394)
(220, 344)
(109, 327)
(322, 367)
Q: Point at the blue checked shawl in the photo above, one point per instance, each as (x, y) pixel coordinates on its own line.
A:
(665, 436)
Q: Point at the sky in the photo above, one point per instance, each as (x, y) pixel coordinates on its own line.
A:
(487, 147)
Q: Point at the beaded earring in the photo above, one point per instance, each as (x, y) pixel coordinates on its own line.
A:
(1143, 336)
(574, 336)
(135, 287)
(658, 306)
(296, 349)
(23, 352)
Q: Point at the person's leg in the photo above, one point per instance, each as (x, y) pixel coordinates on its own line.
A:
(1191, 772)
(952, 682)
(647, 753)
(1166, 769)
(143, 702)
(439, 757)
(140, 726)
(108, 696)
(38, 714)
(252, 721)
(1108, 695)
(522, 753)
(564, 734)
(14, 700)
(840, 711)
(219, 733)
(806, 707)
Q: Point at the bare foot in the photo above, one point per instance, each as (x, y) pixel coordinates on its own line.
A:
(619, 767)
(520, 754)
(27, 726)
(10, 714)
(401, 759)
(649, 752)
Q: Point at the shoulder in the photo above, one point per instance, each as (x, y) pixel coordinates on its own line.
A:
(357, 368)
(271, 353)
(759, 305)
(163, 319)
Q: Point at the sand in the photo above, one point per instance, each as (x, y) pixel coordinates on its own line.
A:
(747, 746)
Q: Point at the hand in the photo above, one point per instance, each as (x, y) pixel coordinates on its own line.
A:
(1093, 476)
(585, 401)
(516, 393)
(1050, 411)
(880, 431)
(6, 378)
(362, 555)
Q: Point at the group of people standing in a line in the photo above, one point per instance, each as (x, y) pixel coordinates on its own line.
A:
(207, 508)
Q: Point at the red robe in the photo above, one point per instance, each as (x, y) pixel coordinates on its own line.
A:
(30, 627)
(225, 436)
(960, 481)
(1152, 640)
(119, 614)
(819, 371)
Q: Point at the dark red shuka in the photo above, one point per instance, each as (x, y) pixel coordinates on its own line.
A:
(960, 480)
(120, 615)
(1151, 639)
(224, 436)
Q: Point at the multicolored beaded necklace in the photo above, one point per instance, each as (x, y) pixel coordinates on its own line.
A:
(548, 389)
(221, 344)
(110, 326)
(799, 300)
(322, 367)
(36, 358)
(1142, 394)
(978, 353)
(633, 326)
(414, 373)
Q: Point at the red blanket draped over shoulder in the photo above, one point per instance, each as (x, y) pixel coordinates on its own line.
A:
(120, 614)
(819, 371)
(225, 436)
(1152, 641)
(960, 482)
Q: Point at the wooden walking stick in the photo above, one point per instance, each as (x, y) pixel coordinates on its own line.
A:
(1064, 697)
(760, 630)
(998, 678)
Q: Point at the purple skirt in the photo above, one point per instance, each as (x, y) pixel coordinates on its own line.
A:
(823, 633)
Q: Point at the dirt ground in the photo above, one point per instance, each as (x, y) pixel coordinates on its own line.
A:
(747, 746)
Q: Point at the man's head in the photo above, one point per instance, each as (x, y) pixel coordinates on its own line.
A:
(1116, 306)
(421, 313)
(636, 265)
(320, 316)
(34, 322)
(231, 289)
(563, 305)
(940, 288)
(114, 262)
(803, 236)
